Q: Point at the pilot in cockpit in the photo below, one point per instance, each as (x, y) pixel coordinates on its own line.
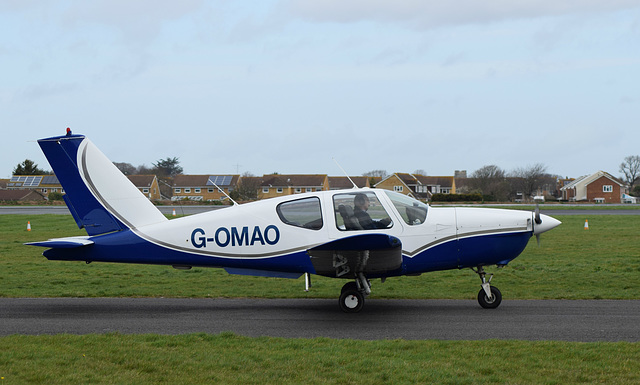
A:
(361, 205)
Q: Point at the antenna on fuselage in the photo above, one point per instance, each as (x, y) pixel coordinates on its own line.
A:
(222, 191)
(345, 174)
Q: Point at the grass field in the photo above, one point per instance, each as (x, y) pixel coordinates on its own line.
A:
(231, 359)
(573, 263)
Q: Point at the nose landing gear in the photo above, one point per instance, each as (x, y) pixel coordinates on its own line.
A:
(489, 296)
(353, 294)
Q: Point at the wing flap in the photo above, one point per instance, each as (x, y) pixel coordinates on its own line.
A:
(372, 254)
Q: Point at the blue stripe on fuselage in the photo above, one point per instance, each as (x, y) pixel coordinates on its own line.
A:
(127, 247)
(473, 251)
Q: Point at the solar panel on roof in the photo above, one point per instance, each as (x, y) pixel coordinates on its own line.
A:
(27, 181)
(219, 180)
(32, 181)
(50, 179)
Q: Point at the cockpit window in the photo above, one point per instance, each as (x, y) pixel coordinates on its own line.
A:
(413, 212)
(360, 211)
(304, 213)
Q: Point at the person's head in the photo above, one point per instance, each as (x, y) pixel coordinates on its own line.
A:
(361, 201)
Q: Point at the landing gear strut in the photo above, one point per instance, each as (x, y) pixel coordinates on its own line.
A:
(354, 293)
(489, 296)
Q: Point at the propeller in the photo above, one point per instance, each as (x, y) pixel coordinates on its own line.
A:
(542, 223)
(538, 220)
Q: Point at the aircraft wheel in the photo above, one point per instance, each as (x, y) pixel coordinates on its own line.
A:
(490, 303)
(351, 285)
(351, 301)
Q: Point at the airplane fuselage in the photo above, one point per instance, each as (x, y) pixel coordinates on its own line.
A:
(253, 236)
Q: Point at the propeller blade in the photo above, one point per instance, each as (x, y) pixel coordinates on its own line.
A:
(537, 214)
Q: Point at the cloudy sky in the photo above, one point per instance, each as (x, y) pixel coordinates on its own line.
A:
(287, 85)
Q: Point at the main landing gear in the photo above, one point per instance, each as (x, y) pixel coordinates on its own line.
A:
(353, 294)
(489, 296)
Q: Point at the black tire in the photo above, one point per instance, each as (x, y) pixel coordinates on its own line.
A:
(351, 285)
(351, 301)
(490, 303)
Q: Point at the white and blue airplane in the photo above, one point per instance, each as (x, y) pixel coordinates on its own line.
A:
(357, 234)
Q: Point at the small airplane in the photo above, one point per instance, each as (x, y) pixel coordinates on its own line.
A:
(357, 234)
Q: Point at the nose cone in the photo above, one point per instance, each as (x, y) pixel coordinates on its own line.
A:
(547, 224)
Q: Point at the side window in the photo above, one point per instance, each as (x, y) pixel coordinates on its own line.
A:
(413, 212)
(304, 213)
(360, 211)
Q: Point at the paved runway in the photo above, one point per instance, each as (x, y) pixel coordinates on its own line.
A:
(602, 320)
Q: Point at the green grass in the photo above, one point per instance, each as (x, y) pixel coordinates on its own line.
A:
(231, 359)
(572, 263)
(602, 262)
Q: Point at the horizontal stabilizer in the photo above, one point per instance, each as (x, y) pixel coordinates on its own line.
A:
(366, 253)
(63, 243)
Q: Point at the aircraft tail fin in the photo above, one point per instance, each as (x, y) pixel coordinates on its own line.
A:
(100, 198)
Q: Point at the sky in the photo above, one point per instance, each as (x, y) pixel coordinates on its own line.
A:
(288, 86)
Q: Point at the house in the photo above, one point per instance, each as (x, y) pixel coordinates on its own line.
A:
(600, 187)
(418, 186)
(148, 185)
(21, 195)
(43, 183)
(275, 185)
(342, 182)
(203, 187)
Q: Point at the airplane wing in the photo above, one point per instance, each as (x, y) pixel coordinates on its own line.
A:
(63, 243)
(367, 253)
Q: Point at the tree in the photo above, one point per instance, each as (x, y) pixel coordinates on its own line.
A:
(631, 169)
(420, 172)
(247, 189)
(376, 173)
(168, 167)
(144, 170)
(490, 181)
(530, 178)
(125, 168)
(28, 167)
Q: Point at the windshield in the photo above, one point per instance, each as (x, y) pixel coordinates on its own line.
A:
(412, 211)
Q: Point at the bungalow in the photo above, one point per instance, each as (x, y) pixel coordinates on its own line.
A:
(203, 187)
(277, 185)
(148, 185)
(21, 195)
(43, 183)
(600, 187)
(418, 186)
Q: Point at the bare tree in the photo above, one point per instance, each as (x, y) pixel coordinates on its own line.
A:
(376, 173)
(125, 168)
(631, 169)
(490, 182)
(247, 188)
(529, 179)
(144, 170)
